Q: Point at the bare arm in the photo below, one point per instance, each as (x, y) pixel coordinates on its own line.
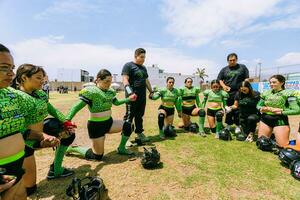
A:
(148, 85)
(125, 79)
(235, 105)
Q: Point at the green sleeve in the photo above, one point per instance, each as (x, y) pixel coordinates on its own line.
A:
(156, 96)
(178, 104)
(118, 102)
(198, 102)
(293, 108)
(224, 102)
(75, 108)
(55, 113)
(225, 97)
(205, 95)
(204, 102)
(260, 104)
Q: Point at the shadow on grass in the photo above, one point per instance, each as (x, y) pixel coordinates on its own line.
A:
(56, 188)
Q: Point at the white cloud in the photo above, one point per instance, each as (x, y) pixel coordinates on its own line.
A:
(197, 22)
(291, 58)
(236, 43)
(53, 53)
(78, 7)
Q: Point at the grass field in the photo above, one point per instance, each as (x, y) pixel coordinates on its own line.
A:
(193, 167)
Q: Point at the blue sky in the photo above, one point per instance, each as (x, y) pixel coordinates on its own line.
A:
(179, 35)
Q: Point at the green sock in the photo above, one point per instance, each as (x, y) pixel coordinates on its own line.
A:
(59, 156)
(201, 124)
(124, 139)
(78, 149)
(161, 132)
(219, 127)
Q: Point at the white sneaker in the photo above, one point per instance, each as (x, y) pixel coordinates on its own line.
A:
(128, 144)
(249, 138)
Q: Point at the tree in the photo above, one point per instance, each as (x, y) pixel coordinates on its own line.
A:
(201, 73)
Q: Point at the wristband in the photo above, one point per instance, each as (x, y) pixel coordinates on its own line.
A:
(128, 90)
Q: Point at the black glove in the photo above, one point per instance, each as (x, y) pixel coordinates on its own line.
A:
(151, 95)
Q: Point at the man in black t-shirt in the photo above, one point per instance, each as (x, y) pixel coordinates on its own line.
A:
(230, 78)
(135, 80)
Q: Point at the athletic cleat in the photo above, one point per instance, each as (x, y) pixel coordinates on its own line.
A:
(217, 136)
(162, 136)
(142, 137)
(66, 172)
(202, 134)
(249, 138)
(129, 144)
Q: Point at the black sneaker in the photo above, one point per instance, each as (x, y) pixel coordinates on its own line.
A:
(66, 172)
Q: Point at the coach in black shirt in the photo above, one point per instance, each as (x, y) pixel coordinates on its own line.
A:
(230, 78)
(135, 80)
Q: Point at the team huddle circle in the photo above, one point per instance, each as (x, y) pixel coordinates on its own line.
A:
(229, 107)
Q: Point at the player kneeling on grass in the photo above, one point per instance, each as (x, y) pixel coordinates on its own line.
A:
(296, 145)
(56, 128)
(215, 99)
(99, 99)
(191, 106)
(169, 98)
(246, 100)
(29, 80)
(275, 105)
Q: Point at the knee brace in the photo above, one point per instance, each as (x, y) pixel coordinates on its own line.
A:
(127, 128)
(201, 113)
(213, 130)
(31, 190)
(92, 156)
(219, 116)
(161, 119)
(67, 141)
(252, 118)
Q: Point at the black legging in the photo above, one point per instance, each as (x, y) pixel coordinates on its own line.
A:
(233, 116)
(249, 122)
(136, 110)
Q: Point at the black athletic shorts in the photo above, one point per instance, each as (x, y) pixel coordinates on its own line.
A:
(169, 111)
(98, 129)
(15, 168)
(275, 120)
(212, 113)
(188, 110)
(28, 151)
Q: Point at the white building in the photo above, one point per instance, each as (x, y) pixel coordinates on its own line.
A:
(158, 77)
(73, 75)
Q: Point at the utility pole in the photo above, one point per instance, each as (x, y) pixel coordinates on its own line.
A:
(259, 70)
